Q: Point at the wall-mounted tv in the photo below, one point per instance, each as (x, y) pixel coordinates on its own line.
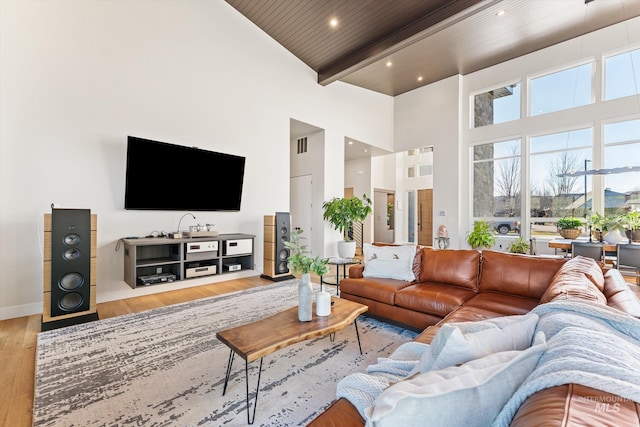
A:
(163, 176)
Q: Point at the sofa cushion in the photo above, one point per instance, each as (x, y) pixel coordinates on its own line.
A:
(441, 398)
(500, 304)
(392, 262)
(457, 343)
(373, 288)
(459, 267)
(522, 275)
(432, 298)
(574, 281)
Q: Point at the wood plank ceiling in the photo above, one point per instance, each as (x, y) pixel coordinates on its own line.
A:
(394, 46)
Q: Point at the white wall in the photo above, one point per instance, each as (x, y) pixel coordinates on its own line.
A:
(78, 77)
(312, 163)
(430, 116)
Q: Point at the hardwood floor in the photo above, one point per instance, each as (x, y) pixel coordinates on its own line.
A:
(18, 342)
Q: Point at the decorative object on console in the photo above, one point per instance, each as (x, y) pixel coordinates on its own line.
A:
(301, 262)
(178, 233)
(342, 213)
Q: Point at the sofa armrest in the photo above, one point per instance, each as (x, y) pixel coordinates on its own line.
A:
(341, 413)
(355, 271)
(619, 295)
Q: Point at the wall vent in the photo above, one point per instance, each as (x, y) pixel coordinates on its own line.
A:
(302, 145)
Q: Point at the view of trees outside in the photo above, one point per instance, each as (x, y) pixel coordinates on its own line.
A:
(497, 171)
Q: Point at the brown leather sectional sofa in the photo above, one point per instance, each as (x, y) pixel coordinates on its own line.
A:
(468, 285)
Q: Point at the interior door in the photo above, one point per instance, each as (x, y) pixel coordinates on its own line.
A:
(425, 217)
(300, 206)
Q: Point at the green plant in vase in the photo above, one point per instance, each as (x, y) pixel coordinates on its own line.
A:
(632, 224)
(569, 227)
(300, 261)
(598, 225)
(519, 246)
(341, 213)
(481, 236)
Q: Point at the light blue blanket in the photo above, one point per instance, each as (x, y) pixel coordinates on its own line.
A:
(587, 344)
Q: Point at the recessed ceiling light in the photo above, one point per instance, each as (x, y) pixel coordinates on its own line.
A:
(500, 12)
(419, 78)
(389, 63)
(365, 150)
(350, 142)
(333, 22)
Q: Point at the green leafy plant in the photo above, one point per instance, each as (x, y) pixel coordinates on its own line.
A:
(569, 222)
(482, 235)
(300, 260)
(519, 246)
(632, 220)
(598, 222)
(342, 212)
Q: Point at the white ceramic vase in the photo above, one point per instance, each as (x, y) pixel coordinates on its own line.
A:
(346, 248)
(614, 237)
(305, 298)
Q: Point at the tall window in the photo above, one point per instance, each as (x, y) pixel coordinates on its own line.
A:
(498, 105)
(421, 163)
(496, 181)
(554, 158)
(621, 150)
(561, 90)
(622, 75)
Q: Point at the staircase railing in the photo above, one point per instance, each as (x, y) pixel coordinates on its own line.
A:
(356, 233)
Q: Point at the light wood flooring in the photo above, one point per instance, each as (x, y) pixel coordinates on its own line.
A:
(18, 342)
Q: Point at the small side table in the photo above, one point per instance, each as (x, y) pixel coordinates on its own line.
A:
(344, 262)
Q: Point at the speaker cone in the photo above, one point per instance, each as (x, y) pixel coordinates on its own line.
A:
(71, 254)
(71, 281)
(282, 267)
(283, 254)
(71, 239)
(70, 302)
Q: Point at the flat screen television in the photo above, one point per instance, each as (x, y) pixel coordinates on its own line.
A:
(163, 176)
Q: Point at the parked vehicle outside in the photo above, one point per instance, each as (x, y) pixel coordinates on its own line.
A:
(506, 226)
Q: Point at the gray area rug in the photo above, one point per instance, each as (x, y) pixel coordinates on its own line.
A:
(165, 367)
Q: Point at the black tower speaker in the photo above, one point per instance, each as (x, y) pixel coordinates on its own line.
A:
(283, 234)
(277, 230)
(70, 261)
(70, 268)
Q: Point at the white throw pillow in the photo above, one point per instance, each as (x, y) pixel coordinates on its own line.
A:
(456, 343)
(390, 262)
(468, 395)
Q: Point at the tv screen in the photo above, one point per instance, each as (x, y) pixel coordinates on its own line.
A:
(162, 176)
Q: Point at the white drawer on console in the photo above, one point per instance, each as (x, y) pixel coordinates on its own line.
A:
(236, 247)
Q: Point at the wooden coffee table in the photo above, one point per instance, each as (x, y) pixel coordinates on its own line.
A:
(257, 339)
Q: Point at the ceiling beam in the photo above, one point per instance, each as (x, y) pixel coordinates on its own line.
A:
(451, 13)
